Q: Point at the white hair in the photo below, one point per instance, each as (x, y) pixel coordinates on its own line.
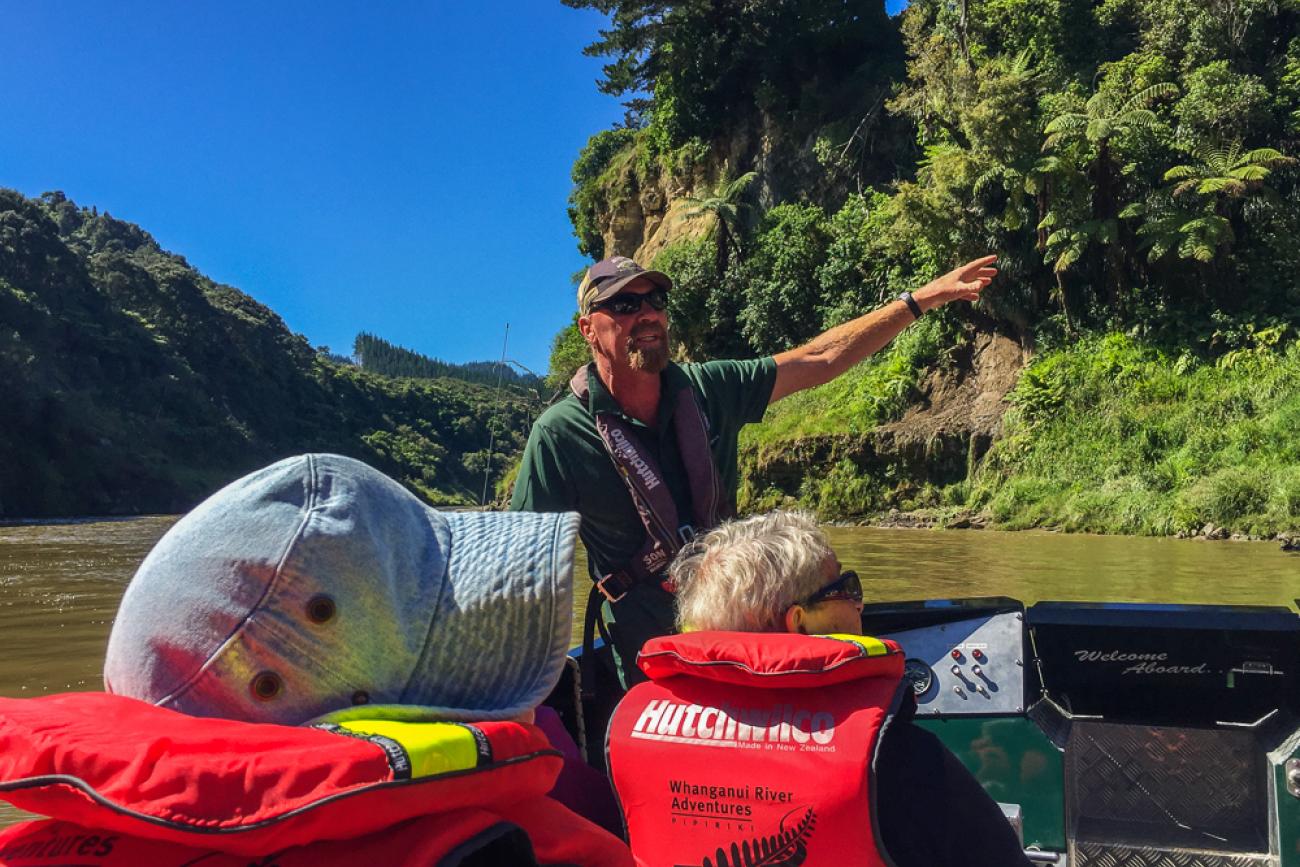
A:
(743, 575)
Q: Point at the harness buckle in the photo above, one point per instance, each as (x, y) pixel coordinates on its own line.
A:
(610, 597)
(686, 533)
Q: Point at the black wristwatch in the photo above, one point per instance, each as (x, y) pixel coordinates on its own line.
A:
(907, 299)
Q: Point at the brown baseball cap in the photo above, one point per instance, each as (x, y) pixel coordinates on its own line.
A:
(607, 277)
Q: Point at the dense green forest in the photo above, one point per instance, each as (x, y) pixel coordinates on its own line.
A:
(379, 356)
(135, 384)
(1132, 162)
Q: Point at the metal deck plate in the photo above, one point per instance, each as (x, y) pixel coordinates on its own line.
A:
(1176, 791)
(1104, 855)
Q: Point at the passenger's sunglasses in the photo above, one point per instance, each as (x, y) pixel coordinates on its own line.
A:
(847, 586)
(626, 303)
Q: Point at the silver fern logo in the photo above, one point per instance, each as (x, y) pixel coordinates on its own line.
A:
(788, 847)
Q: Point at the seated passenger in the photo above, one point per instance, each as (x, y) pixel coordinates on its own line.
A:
(314, 668)
(796, 744)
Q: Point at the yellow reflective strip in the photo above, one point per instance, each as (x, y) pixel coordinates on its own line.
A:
(434, 748)
(870, 646)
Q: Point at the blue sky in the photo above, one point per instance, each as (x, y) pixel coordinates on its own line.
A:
(400, 168)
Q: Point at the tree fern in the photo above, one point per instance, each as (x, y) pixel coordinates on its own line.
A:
(724, 203)
(1227, 170)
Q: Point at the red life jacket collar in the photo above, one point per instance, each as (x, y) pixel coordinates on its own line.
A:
(778, 661)
(114, 763)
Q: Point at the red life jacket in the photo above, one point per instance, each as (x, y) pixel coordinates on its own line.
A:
(129, 783)
(748, 746)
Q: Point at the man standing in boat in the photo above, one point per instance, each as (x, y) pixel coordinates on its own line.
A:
(645, 449)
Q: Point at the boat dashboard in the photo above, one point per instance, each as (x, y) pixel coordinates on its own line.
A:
(963, 657)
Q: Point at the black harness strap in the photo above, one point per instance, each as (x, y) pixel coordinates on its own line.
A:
(665, 532)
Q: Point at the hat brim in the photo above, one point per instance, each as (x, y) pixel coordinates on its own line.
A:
(659, 278)
(503, 628)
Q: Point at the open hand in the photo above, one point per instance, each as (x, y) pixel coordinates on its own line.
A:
(964, 283)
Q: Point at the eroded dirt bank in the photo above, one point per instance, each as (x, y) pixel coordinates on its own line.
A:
(955, 418)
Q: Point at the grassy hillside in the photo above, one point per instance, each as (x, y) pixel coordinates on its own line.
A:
(1114, 435)
(135, 384)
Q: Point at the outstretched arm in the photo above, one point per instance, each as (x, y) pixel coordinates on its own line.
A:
(831, 353)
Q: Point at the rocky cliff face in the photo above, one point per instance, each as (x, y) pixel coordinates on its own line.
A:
(650, 215)
(962, 407)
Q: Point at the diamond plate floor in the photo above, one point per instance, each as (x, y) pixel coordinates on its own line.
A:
(1171, 790)
(1109, 855)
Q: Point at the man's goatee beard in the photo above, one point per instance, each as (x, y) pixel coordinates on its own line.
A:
(651, 359)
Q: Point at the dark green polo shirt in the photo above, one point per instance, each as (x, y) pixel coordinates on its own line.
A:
(566, 468)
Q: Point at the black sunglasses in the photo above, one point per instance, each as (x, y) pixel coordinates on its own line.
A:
(626, 303)
(847, 586)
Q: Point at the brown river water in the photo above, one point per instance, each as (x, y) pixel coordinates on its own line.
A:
(60, 582)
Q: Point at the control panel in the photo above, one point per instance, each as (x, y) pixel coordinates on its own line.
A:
(962, 658)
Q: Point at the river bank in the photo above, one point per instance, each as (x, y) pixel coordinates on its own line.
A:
(962, 519)
(1110, 435)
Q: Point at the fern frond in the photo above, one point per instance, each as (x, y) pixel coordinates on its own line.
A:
(1150, 94)
(1250, 173)
(1138, 118)
(737, 186)
(986, 180)
(1020, 65)
(1101, 104)
(1069, 122)
(1221, 185)
(1100, 128)
(1266, 157)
